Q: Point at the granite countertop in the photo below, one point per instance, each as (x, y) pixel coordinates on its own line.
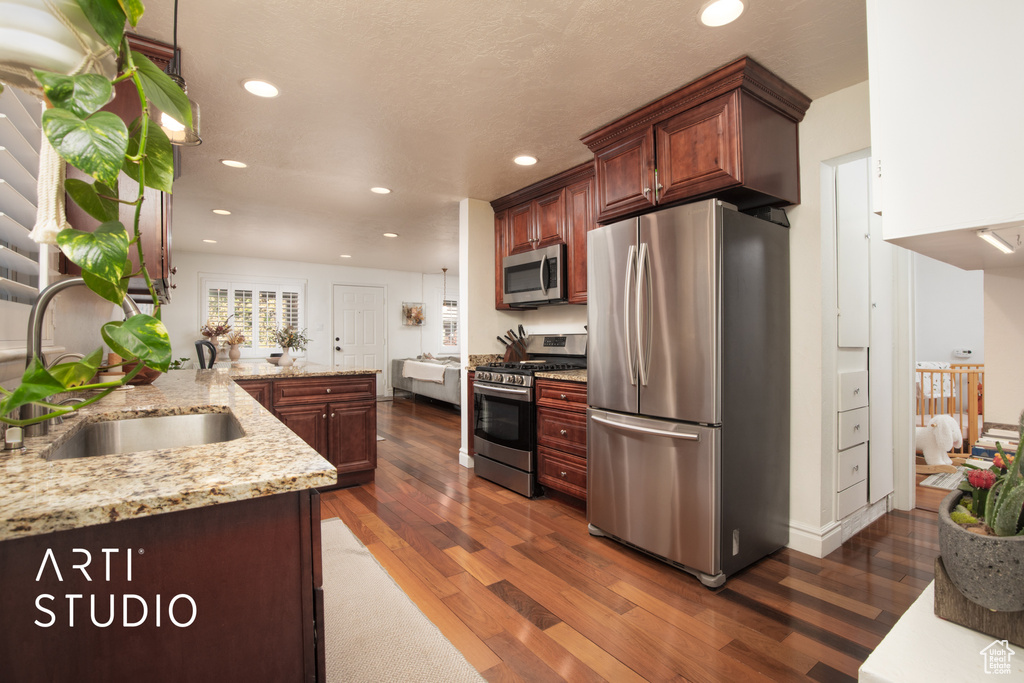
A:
(565, 375)
(38, 496)
(263, 369)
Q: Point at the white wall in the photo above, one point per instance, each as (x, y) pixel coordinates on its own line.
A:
(1004, 340)
(431, 333)
(835, 125)
(949, 311)
(182, 315)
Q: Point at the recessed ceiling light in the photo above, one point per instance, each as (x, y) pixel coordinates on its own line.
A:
(234, 164)
(260, 88)
(391, 234)
(210, 241)
(380, 190)
(345, 255)
(721, 12)
(222, 212)
(525, 160)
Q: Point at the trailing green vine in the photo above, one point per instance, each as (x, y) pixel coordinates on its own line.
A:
(101, 145)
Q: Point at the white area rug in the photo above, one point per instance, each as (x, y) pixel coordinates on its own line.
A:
(374, 632)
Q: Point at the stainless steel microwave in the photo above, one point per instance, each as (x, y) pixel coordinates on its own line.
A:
(534, 278)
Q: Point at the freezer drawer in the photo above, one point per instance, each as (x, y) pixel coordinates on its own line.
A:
(655, 485)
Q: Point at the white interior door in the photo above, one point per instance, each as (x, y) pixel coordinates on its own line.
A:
(359, 332)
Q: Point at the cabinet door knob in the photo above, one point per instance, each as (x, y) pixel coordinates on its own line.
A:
(856, 391)
(562, 432)
(332, 416)
(562, 396)
(328, 391)
(174, 270)
(324, 416)
(856, 468)
(563, 474)
(647, 191)
(856, 428)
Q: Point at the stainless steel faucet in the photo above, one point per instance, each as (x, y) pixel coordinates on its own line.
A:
(34, 342)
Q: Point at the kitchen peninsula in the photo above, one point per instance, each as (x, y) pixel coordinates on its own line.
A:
(187, 562)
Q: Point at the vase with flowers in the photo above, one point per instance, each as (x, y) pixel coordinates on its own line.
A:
(289, 338)
(234, 340)
(213, 331)
(981, 533)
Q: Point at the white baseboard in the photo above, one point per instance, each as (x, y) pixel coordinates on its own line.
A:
(465, 459)
(816, 542)
(860, 519)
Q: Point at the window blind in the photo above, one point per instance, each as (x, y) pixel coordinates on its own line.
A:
(256, 309)
(19, 167)
(449, 322)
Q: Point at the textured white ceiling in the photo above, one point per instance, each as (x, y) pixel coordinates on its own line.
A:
(433, 99)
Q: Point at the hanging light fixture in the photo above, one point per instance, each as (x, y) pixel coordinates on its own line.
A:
(444, 285)
(177, 132)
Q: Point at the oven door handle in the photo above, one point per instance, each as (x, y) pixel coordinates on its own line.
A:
(488, 390)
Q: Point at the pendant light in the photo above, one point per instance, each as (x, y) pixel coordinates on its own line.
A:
(177, 132)
(444, 285)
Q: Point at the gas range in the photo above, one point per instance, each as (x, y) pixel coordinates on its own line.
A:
(521, 373)
(504, 411)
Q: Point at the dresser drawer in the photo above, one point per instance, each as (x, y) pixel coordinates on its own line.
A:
(852, 499)
(853, 428)
(563, 430)
(853, 390)
(562, 472)
(316, 390)
(853, 465)
(564, 395)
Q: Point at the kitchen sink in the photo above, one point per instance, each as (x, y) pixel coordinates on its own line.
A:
(147, 434)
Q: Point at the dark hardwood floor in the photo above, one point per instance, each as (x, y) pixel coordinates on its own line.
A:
(526, 594)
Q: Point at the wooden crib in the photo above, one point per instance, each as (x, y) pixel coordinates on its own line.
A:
(957, 391)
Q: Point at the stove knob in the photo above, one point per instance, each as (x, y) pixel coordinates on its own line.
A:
(519, 379)
(483, 376)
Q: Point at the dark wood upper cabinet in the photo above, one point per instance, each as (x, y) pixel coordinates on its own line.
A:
(579, 214)
(556, 210)
(625, 172)
(731, 134)
(155, 217)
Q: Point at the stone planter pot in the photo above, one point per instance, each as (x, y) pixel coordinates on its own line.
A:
(988, 570)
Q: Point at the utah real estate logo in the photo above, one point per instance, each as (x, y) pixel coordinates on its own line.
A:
(997, 656)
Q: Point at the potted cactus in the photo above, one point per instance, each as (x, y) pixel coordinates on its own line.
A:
(981, 533)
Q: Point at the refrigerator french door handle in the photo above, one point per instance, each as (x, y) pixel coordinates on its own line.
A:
(643, 323)
(630, 275)
(646, 430)
(543, 273)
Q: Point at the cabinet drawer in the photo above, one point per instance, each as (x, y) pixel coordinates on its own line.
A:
(562, 472)
(299, 391)
(853, 428)
(564, 395)
(853, 465)
(853, 390)
(852, 499)
(563, 430)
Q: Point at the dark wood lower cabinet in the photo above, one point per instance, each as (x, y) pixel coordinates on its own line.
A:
(336, 416)
(227, 592)
(562, 436)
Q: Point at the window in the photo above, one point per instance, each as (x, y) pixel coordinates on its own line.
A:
(449, 322)
(255, 308)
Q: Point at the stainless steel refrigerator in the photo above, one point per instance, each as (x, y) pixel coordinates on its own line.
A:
(688, 386)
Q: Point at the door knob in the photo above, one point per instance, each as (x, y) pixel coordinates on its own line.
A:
(337, 348)
(337, 339)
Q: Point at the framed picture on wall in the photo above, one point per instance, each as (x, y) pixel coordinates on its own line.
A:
(412, 313)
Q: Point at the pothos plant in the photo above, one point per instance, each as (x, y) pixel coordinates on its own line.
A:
(101, 145)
